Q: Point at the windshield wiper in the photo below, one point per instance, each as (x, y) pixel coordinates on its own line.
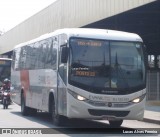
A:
(120, 71)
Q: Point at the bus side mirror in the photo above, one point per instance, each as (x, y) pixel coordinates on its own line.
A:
(64, 54)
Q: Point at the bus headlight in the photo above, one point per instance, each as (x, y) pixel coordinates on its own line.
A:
(139, 99)
(81, 98)
(76, 96)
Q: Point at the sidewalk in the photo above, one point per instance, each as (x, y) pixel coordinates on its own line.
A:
(152, 112)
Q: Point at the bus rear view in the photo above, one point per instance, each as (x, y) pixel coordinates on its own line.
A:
(5, 69)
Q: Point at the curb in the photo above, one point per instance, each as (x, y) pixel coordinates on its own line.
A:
(151, 121)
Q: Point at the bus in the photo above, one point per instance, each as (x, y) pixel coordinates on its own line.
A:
(5, 73)
(5, 69)
(81, 73)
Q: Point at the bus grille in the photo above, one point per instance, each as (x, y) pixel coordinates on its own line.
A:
(105, 104)
(96, 112)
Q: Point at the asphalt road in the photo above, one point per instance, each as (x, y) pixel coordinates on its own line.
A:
(12, 118)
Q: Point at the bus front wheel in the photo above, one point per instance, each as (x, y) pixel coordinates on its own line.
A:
(115, 123)
(57, 119)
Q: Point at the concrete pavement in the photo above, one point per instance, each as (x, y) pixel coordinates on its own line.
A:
(152, 112)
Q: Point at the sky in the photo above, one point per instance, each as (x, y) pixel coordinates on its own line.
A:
(13, 12)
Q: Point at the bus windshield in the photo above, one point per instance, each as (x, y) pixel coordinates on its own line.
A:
(103, 66)
(5, 70)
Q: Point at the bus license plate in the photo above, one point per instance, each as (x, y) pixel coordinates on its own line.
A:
(108, 118)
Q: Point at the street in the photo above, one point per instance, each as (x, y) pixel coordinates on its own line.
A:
(12, 118)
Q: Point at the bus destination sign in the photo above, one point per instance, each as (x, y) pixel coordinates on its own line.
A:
(89, 43)
(5, 63)
(2, 62)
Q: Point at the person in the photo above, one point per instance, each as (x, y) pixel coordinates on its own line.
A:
(6, 84)
(6, 88)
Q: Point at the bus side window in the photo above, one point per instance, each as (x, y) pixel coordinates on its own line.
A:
(22, 61)
(13, 60)
(51, 57)
(62, 68)
(54, 52)
(17, 59)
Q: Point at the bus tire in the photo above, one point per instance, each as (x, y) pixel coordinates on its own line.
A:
(115, 123)
(32, 111)
(56, 118)
(24, 108)
(4, 103)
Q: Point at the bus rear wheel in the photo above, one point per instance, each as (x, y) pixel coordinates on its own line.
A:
(24, 109)
(115, 123)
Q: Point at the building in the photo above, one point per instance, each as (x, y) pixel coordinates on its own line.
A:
(137, 16)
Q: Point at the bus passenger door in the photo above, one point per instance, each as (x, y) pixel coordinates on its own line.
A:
(62, 82)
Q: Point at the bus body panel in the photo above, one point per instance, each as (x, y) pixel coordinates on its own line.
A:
(16, 83)
(38, 84)
(62, 99)
(79, 109)
(107, 98)
(41, 83)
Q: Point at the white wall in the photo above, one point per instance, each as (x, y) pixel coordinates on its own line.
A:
(63, 14)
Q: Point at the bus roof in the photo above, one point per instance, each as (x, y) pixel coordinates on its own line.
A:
(89, 33)
(5, 59)
(101, 34)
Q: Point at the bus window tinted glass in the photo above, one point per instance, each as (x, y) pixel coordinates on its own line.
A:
(89, 63)
(38, 55)
(5, 70)
(127, 65)
(103, 66)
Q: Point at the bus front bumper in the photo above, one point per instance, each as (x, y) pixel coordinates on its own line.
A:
(84, 110)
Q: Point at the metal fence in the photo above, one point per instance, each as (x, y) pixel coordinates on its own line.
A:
(153, 86)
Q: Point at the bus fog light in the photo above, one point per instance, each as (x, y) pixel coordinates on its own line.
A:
(137, 100)
(80, 98)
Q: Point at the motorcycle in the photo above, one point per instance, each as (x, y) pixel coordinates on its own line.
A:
(6, 99)
(1, 94)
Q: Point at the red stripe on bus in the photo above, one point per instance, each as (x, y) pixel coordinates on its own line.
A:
(24, 77)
